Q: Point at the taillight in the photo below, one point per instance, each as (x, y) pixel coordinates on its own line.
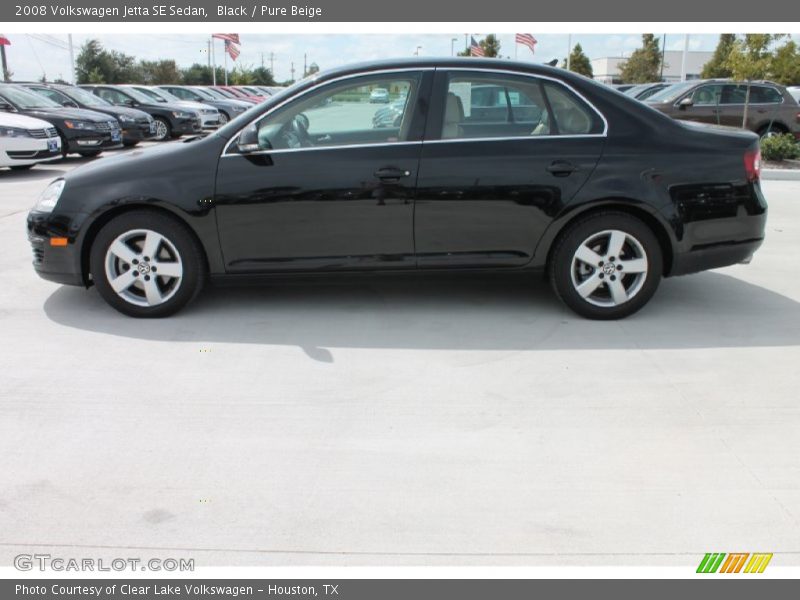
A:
(752, 164)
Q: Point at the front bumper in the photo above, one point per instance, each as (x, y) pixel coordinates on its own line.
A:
(29, 151)
(61, 264)
(137, 132)
(88, 140)
(184, 126)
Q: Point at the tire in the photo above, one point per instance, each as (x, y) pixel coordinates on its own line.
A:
(20, 167)
(223, 118)
(118, 254)
(585, 275)
(771, 130)
(163, 129)
(90, 153)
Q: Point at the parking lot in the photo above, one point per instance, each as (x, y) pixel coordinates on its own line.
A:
(402, 421)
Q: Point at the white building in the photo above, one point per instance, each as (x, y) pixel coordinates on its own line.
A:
(607, 69)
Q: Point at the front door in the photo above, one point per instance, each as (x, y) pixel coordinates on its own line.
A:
(503, 154)
(332, 183)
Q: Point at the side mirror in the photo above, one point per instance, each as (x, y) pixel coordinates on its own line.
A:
(248, 140)
(685, 103)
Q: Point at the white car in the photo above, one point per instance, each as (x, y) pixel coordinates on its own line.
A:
(25, 141)
(795, 92)
(379, 95)
(209, 115)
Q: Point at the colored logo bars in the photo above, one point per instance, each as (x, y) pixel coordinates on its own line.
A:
(719, 562)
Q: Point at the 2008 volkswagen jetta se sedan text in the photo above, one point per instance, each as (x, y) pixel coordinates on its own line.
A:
(486, 164)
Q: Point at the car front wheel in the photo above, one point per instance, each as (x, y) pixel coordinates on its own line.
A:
(147, 264)
(606, 266)
(163, 129)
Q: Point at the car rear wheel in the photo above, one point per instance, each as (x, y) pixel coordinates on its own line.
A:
(606, 266)
(146, 264)
(163, 129)
(770, 131)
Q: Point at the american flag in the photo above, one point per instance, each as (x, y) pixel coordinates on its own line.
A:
(4, 41)
(232, 50)
(475, 48)
(526, 39)
(228, 37)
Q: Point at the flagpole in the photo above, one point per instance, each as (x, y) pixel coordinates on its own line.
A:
(213, 64)
(225, 57)
(72, 58)
(569, 51)
(5, 64)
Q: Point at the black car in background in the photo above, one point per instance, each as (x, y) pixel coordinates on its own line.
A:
(82, 131)
(644, 90)
(228, 108)
(564, 177)
(136, 125)
(171, 120)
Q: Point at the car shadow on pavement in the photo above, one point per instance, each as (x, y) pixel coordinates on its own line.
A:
(707, 310)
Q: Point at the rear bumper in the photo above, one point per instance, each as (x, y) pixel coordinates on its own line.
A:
(714, 256)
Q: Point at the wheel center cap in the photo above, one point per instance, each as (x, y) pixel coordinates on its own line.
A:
(144, 268)
(609, 268)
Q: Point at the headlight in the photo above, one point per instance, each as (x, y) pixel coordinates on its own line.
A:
(47, 201)
(79, 124)
(14, 132)
(179, 114)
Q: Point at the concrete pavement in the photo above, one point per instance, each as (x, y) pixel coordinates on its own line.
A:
(402, 421)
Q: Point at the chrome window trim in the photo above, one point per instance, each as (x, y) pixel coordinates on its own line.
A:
(752, 85)
(604, 133)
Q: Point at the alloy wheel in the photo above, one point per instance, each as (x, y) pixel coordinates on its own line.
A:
(161, 130)
(609, 268)
(143, 267)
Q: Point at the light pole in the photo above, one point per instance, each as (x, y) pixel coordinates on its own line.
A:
(416, 52)
(452, 46)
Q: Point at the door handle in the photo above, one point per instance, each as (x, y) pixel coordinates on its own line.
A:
(391, 174)
(561, 168)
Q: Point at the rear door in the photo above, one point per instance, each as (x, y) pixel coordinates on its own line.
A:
(503, 154)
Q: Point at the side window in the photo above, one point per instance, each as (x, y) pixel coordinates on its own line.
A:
(363, 110)
(180, 93)
(734, 94)
(707, 95)
(52, 95)
(485, 106)
(112, 96)
(765, 95)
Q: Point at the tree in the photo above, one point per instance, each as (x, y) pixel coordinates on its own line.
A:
(785, 64)
(490, 45)
(263, 76)
(750, 58)
(579, 62)
(644, 65)
(94, 64)
(199, 74)
(159, 72)
(718, 67)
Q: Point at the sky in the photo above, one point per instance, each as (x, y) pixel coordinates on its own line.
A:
(31, 56)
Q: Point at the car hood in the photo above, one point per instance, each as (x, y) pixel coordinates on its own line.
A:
(168, 106)
(194, 105)
(120, 111)
(22, 121)
(68, 113)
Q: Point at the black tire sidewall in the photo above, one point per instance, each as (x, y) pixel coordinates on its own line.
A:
(567, 244)
(194, 270)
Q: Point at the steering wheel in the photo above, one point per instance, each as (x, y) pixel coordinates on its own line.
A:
(295, 132)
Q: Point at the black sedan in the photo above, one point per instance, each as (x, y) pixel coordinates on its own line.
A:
(171, 120)
(136, 125)
(83, 132)
(597, 191)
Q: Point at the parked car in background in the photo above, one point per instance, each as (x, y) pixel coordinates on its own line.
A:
(645, 90)
(227, 107)
(594, 188)
(82, 131)
(209, 115)
(254, 91)
(25, 141)
(171, 120)
(379, 95)
(240, 93)
(136, 125)
(622, 87)
(771, 109)
(226, 94)
(795, 92)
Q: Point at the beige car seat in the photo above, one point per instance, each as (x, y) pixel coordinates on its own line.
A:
(453, 117)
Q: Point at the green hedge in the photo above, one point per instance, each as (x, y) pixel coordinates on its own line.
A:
(780, 147)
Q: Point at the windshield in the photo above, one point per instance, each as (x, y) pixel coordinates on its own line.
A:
(25, 100)
(137, 95)
(168, 96)
(671, 93)
(203, 93)
(216, 93)
(84, 97)
(152, 94)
